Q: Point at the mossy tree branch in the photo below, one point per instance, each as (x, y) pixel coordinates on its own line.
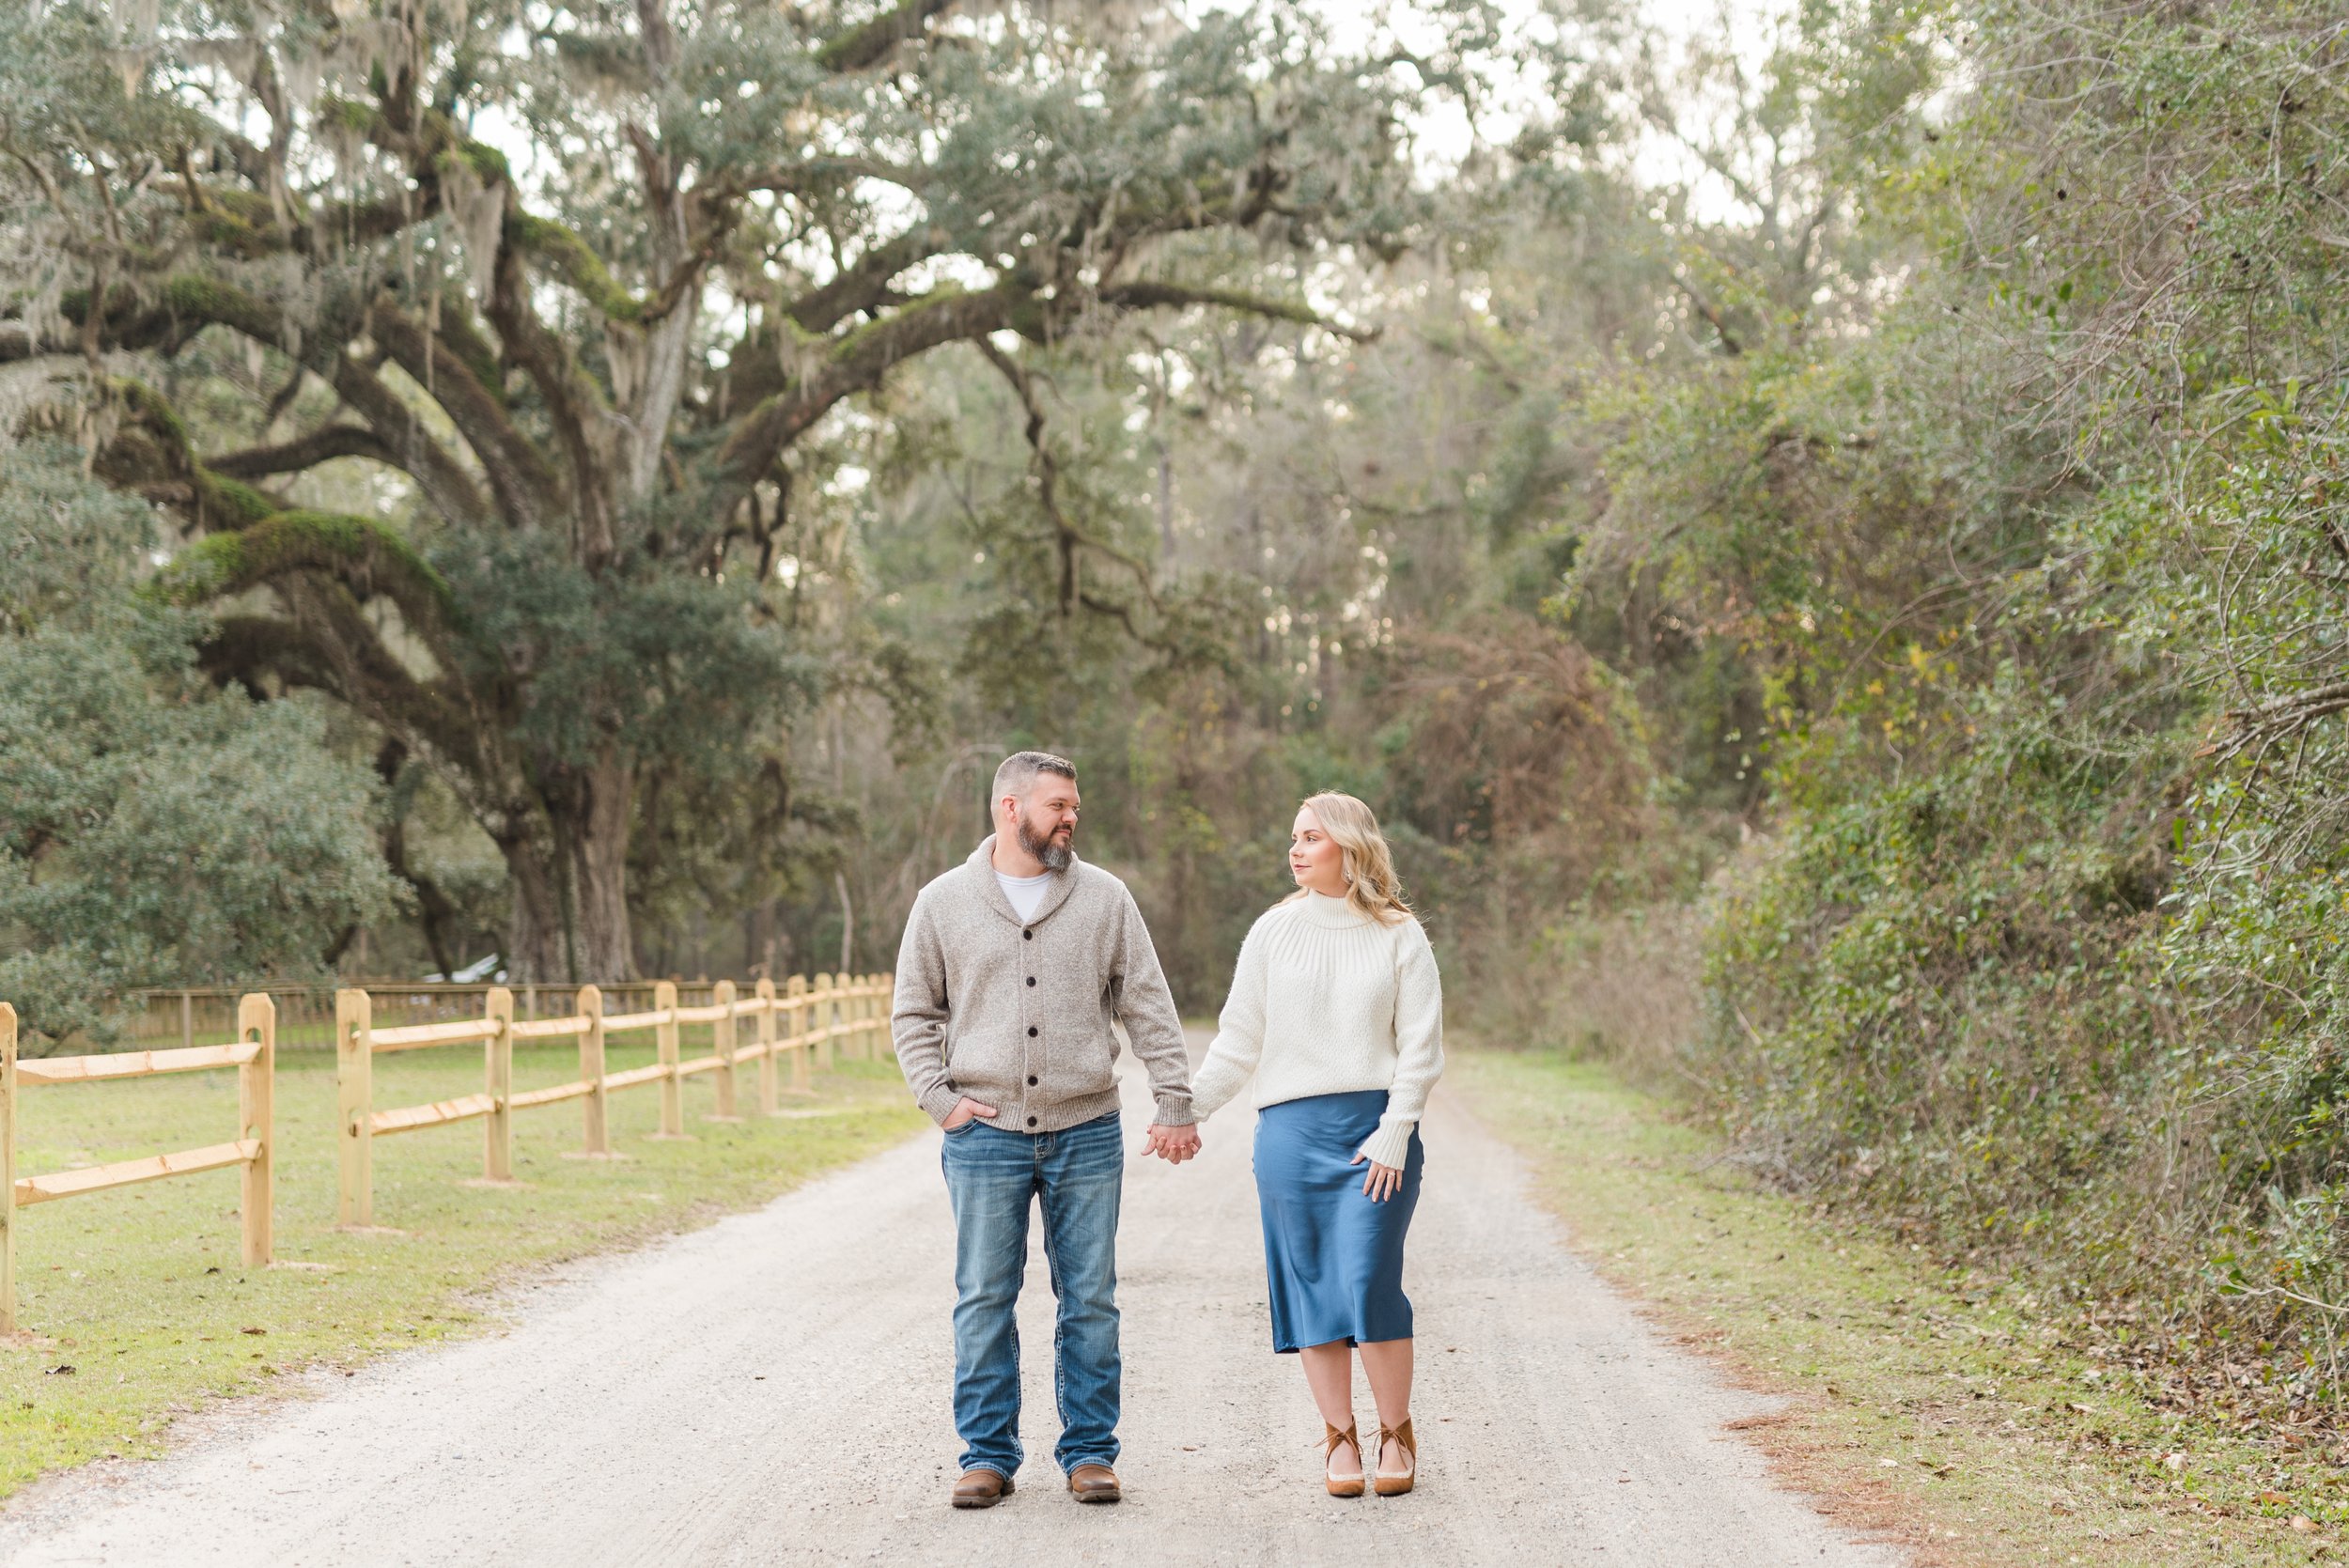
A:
(189, 304)
(529, 490)
(321, 445)
(320, 649)
(364, 556)
(853, 363)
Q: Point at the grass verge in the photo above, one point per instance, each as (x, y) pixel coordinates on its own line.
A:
(1928, 1403)
(134, 1305)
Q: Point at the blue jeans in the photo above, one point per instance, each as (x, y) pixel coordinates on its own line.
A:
(992, 1176)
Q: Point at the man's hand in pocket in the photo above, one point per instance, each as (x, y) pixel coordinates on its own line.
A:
(965, 1108)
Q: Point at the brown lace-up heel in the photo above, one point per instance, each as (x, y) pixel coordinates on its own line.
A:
(1389, 1484)
(1340, 1486)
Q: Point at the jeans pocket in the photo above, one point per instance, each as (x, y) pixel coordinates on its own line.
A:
(961, 1127)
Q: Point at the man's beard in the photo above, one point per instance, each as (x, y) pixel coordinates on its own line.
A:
(1048, 848)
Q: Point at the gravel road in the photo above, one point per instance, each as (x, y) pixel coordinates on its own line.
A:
(773, 1390)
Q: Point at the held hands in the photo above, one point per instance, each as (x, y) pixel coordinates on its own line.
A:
(965, 1109)
(1171, 1145)
(1380, 1184)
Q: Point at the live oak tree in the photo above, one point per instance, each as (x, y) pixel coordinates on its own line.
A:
(575, 286)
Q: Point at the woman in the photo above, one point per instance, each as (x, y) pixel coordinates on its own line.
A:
(1337, 1012)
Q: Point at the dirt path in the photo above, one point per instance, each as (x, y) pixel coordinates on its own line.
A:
(774, 1389)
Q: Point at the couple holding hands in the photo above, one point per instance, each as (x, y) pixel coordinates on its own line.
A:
(1015, 965)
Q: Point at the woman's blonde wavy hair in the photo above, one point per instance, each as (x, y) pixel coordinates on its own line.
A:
(1372, 888)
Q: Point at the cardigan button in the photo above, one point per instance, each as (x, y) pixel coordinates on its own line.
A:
(1031, 1081)
(1032, 1031)
(1031, 1121)
(1027, 936)
(1032, 980)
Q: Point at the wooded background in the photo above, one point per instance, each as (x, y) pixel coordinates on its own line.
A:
(1823, 538)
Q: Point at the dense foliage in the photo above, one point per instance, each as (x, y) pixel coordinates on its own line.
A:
(2040, 579)
(151, 825)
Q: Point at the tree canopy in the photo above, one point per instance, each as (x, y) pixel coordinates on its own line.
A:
(576, 283)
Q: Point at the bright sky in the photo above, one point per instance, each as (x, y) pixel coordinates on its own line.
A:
(1444, 133)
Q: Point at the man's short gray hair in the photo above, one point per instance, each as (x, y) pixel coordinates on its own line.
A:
(1017, 776)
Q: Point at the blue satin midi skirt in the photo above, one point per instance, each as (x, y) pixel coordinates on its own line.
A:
(1334, 1259)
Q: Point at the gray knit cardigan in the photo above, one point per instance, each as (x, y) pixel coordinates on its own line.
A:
(1018, 1016)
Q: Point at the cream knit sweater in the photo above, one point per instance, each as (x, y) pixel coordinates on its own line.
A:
(1323, 1001)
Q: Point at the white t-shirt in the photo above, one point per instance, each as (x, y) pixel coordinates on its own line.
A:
(1025, 892)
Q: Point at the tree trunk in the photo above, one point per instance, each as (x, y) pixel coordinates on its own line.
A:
(570, 919)
(598, 841)
(536, 953)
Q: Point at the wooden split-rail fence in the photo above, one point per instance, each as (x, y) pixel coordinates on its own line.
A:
(253, 1053)
(845, 1010)
(793, 1029)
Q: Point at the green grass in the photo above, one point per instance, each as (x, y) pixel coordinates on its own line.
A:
(1925, 1401)
(134, 1305)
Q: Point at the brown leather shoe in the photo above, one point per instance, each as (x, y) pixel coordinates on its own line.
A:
(980, 1489)
(1332, 1440)
(1393, 1484)
(1094, 1484)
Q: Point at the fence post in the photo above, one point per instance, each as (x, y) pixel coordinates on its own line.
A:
(257, 1100)
(820, 1017)
(876, 1041)
(497, 1064)
(765, 1047)
(721, 995)
(8, 1168)
(354, 1098)
(596, 1125)
(794, 993)
(664, 1038)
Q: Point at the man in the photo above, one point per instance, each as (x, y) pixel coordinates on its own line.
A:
(1014, 968)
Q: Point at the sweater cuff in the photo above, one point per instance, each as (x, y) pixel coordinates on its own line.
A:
(940, 1102)
(1174, 1110)
(1390, 1145)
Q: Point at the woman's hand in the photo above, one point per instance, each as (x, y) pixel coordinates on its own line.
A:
(1380, 1182)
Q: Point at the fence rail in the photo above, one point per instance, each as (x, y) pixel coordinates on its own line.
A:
(182, 1015)
(253, 1053)
(832, 1012)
